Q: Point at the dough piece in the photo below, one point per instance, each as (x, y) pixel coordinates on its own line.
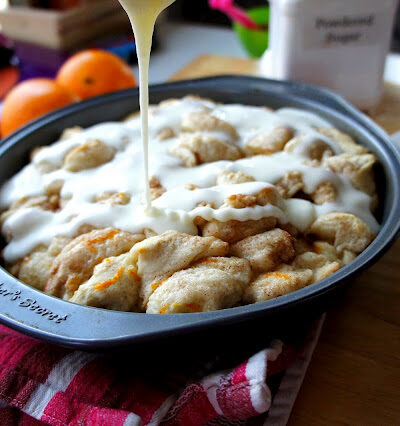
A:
(345, 142)
(316, 150)
(290, 184)
(205, 122)
(358, 168)
(278, 283)
(45, 202)
(157, 258)
(114, 284)
(325, 192)
(268, 143)
(265, 251)
(195, 149)
(91, 154)
(345, 231)
(234, 230)
(75, 264)
(321, 266)
(225, 177)
(113, 198)
(211, 284)
(35, 268)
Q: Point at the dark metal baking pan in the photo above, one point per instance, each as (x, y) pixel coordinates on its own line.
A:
(37, 314)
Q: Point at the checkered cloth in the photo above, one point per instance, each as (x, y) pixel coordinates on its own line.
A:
(42, 383)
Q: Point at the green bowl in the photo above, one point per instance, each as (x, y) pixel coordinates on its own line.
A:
(254, 41)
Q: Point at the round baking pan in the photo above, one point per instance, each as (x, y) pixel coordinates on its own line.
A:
(37, 314)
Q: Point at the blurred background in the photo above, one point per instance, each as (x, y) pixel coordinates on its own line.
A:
(38, 36)
(199, 11)
(43, 33)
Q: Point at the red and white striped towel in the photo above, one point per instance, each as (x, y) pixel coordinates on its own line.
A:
(45, 384)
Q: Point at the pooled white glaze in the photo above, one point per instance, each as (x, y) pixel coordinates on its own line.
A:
(177, 208)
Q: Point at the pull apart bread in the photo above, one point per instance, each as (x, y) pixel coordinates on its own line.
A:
(248, 204)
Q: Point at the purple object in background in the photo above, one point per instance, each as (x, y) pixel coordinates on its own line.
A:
(38, 61)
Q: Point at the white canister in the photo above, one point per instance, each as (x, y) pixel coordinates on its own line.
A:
(339, 44)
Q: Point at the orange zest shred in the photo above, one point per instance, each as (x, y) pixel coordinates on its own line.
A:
(193, 307)
(71, 283)
(277, 274)
(80, 148)
(266, 190)
(318, 249)
(105, 284)
(157, 284)
(163, 309)
(106, 237)
(206, 261)
(134, 274)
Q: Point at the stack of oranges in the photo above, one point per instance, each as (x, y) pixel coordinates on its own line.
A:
(86, 74)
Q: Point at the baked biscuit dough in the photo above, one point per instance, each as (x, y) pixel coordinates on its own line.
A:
(158, 257)
(113, 285)
(211, 284)
(75, 264)
(195, 149)
(267, 250)
(345, 231)
(277, 283)
(248, 204)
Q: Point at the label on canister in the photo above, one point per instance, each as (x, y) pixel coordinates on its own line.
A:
(358, 29)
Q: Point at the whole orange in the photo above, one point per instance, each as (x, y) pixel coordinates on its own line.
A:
(94, 72)
(31, 99)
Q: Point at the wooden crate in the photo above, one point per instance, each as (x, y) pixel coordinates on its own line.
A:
(64, 29)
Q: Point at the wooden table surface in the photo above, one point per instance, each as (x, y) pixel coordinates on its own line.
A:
(354, 375)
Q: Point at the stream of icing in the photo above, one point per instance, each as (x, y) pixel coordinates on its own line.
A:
(143, 15)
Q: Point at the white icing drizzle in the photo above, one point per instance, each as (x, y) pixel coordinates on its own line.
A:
(176, 208)
(143, 15)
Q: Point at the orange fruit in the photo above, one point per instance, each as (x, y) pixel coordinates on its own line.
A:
(94, 72)
(31, 99)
